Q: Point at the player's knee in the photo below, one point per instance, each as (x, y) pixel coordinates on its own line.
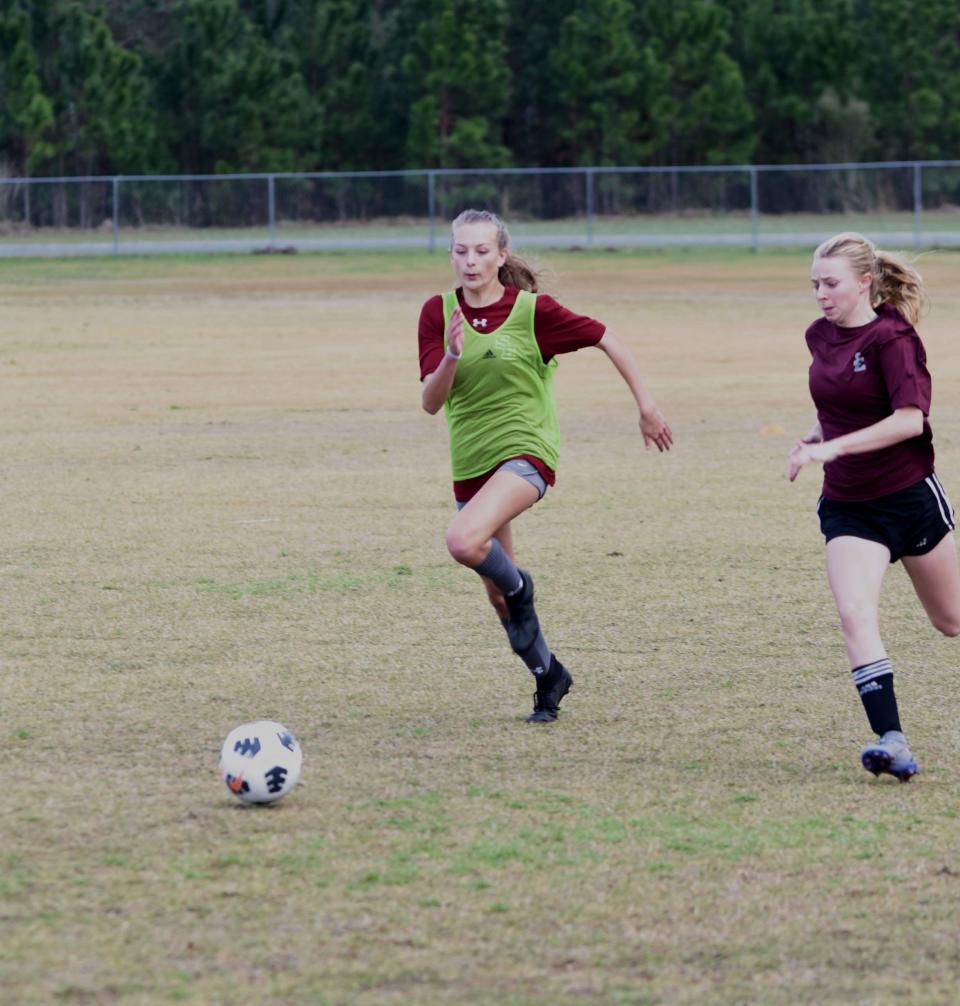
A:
(461, 547)
(858, 619)
(949, 625)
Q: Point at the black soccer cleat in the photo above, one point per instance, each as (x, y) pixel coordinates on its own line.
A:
(546, 699)
(522, 624)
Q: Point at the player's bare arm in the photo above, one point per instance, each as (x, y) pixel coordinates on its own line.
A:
(653, 426)
(901, 425)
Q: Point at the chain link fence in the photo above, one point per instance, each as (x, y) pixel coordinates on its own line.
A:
(903, 203)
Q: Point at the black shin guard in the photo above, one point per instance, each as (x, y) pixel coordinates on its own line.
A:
(536, 656)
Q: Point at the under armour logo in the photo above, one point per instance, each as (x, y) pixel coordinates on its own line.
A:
(479, 322)
(859, 364)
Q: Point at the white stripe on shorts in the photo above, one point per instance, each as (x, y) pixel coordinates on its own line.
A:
(942, 502)
(946, 499)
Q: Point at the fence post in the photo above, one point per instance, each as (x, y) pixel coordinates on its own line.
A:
(917, 206)
(26, 205)
(116, 215)
(754, 210)
(431, 213)
(271, 210)
(588, 181)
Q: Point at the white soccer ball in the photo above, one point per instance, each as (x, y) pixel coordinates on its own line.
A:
(260, 762)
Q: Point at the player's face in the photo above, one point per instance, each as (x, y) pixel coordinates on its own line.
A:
(476, 258)
(842, 295)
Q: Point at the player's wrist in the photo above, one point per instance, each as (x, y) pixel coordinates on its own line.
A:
(452, 355)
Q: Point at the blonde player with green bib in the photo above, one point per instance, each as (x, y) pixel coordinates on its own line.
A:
(487, 354)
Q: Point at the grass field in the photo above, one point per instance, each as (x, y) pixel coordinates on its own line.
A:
(221, 502)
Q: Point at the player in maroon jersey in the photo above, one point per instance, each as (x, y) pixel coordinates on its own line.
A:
(882, 500)
(487, 352)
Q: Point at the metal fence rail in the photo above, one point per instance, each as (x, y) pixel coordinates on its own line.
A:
(903, 202)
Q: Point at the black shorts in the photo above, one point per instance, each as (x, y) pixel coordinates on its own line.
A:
(912, 521)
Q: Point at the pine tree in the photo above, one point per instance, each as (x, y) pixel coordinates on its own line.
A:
(454, 74)
(600, 80)
(231, 102)
(26, 114)
(697, 110)
(81, 99)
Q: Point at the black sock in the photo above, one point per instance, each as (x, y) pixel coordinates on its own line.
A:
(874, 682)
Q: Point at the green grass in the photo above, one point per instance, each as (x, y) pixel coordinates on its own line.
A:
(694, 829)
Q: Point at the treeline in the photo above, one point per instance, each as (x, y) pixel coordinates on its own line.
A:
(210, 86)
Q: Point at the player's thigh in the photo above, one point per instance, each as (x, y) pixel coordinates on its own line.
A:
(502, 498)
(936, 579)
(855, 571)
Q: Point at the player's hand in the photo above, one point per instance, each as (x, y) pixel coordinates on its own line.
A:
(455, 332)
(804, 452)
(655, 430)
(797, 458)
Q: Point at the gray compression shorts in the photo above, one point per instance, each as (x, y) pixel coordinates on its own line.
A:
(523, 468)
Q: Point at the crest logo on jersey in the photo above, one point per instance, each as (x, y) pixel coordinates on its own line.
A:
(505, 347)
(859, 364)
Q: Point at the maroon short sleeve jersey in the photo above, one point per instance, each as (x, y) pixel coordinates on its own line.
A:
(556, 329)
(858, 377)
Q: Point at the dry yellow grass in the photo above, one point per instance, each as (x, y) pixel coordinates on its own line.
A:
(221, 502)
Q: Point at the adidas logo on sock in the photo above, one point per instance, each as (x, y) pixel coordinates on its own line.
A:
(871, 686)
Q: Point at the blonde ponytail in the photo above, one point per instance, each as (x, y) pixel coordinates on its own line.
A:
(898, 283)
(516, 272)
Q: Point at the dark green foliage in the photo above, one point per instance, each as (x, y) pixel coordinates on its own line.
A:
(80, 102)
(911, 69)
(799, 63)
(26, 114)
(340, 47)
(453, 73)
(697, 108)
(228, 100)
(601, 77)
(127, 86)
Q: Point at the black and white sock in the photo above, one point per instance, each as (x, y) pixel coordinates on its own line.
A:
(874, 682)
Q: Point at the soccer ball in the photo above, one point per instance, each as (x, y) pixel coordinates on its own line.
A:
(260, 762)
